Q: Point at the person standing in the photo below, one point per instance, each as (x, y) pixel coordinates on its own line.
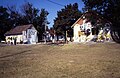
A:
(14, 41)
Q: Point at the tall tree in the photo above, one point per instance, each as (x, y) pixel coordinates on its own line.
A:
(4, 22)
(32, 16)
(110, 10)
(65, 18)
(14, 16)
(11, 17)
(42, 23)
(30, 13)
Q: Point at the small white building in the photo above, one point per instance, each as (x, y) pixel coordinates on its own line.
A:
(22, 34)
(84, 29)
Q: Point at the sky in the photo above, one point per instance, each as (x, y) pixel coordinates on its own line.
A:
(52, 8)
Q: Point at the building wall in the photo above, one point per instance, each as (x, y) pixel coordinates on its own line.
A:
(10, 39)
(77, 31)
(31, 36)
(80, 33)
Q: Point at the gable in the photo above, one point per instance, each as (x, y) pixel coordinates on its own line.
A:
(80, 22)
(92, 17)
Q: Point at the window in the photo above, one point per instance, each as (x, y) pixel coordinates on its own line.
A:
(29, 35)
(32, 32)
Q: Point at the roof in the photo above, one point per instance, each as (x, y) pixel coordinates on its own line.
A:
(18, 30)
(79, 21)
(88, 14)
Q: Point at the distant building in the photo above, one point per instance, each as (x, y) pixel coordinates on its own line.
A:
(22, 34)
(50, 36)
(91, 27)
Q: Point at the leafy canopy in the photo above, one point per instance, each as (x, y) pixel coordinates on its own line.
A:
(65, 18)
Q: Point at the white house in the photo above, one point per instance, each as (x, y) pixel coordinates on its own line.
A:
(22, 34)
(87, 28)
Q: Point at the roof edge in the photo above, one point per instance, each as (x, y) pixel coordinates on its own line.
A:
(77, 21)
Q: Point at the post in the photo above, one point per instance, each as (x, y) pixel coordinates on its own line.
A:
(54, 37)
(45, 33)
(66, 37)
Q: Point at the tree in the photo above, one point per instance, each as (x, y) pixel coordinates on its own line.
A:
(4, 22)
(109, 10)
(31, 16)
(11, 17)
(42, 23)
(30, 13)
(15, 18)
(65, 18)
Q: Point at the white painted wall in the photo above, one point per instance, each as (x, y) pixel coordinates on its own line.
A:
(84, 38)
(29, 36)
(76, 29)
(18, 37)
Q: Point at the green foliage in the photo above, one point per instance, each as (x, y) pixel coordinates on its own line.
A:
(42, 22)
(29, 12)
(65, 18)
(38, 20)
(4, 24)
(15, 18)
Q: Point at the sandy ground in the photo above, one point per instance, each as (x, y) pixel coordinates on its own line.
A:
(60, 61)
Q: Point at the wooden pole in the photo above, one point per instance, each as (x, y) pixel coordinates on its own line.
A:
(66, 37)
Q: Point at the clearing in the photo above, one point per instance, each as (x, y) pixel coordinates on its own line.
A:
(101, 60)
